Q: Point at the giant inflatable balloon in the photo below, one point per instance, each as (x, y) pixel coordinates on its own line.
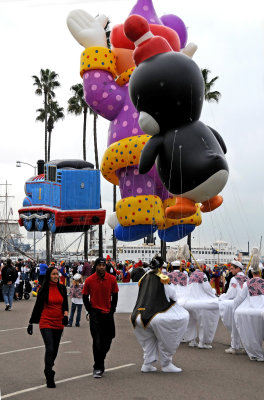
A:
(167, 89)
(106, 74)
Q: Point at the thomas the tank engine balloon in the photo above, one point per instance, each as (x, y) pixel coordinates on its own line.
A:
(63, 197)
(167, 89)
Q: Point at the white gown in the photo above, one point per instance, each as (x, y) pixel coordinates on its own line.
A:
(162, 336)
(179, 280)
(226, 307)
(202, 305)
(249, 317)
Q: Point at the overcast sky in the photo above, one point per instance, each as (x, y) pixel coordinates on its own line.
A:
(230, 39)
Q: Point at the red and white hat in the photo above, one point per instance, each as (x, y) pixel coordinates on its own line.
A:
(147, 45)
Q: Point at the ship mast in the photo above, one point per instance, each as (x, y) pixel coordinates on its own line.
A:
(6, 216)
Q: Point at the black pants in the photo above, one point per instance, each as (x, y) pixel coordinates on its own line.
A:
(102, 327)
(51, 338)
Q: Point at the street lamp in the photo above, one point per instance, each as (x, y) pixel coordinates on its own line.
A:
(18, 164)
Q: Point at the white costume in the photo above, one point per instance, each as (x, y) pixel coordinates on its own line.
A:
(249, 317)
(226, 305)
(179, 281)
(203, 308)
(161, 335)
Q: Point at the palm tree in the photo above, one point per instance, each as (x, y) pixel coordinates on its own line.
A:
(54, 114)
(46, 84)
(77, 105)
(108, 33)
(208, 95)
(97, 167)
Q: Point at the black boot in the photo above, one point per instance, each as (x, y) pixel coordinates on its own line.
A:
(50, 378)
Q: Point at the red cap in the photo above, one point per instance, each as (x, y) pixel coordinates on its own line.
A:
(137, 30)
(108, 258)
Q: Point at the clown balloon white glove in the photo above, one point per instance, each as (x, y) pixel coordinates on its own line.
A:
(190, 49)
(87, 30)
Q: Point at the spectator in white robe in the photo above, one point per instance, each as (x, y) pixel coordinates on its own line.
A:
(202, 305)
(226, 306)
(179, 279)
(249, 313)
(159, 322)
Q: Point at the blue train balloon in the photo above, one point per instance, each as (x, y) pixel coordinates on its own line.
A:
(63, 197)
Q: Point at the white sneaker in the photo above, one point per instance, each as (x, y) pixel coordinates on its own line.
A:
(230, 350)
(171, 368)
(204, 346)
(252, 358)
(148, 368)
(193, 343)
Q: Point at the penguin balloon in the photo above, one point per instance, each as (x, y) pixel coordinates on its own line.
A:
(167, 88)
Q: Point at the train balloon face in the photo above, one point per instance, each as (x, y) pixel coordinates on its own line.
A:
(66, 198)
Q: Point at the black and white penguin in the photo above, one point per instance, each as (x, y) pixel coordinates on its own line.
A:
(167, 88)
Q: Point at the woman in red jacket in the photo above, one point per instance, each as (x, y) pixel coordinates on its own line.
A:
(51, 313)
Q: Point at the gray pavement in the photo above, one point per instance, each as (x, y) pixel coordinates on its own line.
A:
(207, 374)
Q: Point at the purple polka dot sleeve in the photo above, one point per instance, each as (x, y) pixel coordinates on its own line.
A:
(103, 94)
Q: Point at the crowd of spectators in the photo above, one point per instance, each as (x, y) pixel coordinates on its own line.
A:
(219, 276)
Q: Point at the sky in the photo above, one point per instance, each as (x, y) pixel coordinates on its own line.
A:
(230, 39)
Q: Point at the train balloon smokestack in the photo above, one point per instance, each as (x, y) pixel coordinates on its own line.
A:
(40, 164)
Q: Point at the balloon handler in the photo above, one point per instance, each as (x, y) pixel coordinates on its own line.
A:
(106, 74)
(159, 322)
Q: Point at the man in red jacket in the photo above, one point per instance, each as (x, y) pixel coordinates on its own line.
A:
(100, 295)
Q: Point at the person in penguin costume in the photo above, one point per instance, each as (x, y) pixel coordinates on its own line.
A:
(167, 88)
(159, 321)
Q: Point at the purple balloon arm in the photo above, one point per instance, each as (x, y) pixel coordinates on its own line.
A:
(176, 23)
(103, 94)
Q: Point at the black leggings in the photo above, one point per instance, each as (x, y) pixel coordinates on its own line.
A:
(51, 338)
(102, 329)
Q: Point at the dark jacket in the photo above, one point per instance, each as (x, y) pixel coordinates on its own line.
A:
(137, 273)
(42, 298)
(110, 269)
(9, 273)
(227, 281)
(87, 269)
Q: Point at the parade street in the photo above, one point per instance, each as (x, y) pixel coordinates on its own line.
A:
(207, 374)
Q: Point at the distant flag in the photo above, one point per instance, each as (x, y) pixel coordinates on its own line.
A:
(214, 251)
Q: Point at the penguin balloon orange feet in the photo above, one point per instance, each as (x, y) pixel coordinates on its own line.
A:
(211, 204)
(182, 209)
